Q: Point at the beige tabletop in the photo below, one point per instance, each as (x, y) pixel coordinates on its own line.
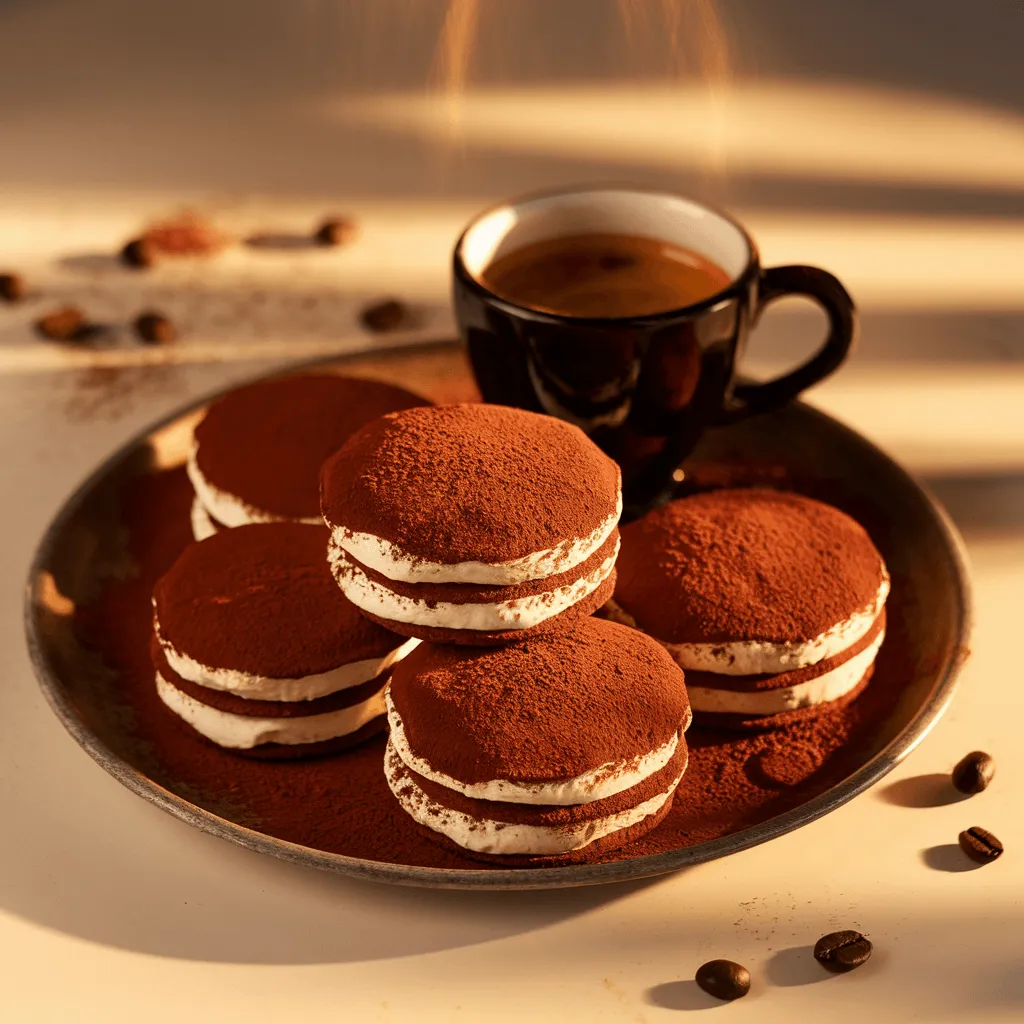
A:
(892, 155)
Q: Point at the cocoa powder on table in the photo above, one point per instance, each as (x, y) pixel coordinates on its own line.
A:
(341, 804)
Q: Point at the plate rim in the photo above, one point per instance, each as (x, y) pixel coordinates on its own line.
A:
(480, 878)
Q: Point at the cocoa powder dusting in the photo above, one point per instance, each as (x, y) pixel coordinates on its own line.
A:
(748, 564)
(465, 465)
(265, 443)
(342, 805)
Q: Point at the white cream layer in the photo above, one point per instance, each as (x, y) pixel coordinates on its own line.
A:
(243, 732)
(390, 560)
(228, 509)
(257, 687)
(757, 657)
(827, 687)
(484, 835)
(519, 613)
(601, 782)
(202, 524)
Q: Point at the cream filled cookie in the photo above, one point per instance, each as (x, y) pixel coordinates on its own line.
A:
(472, 524)
(553, 750)
(257, 452)
(773, 603)
(257, 649)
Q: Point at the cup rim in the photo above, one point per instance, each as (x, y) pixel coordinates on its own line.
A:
(464, 276)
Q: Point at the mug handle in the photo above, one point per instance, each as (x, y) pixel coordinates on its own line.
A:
(829, 293)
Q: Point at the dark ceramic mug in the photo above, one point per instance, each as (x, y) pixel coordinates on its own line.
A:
(643, 387)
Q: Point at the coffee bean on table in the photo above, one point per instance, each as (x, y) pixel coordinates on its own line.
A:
(391, 315)
(723, 979)
(335, 231)
(67, 324)
(842, 951)
(154, 328)
(974, 772)
(12, 287)
(139, 253)
(980, 845)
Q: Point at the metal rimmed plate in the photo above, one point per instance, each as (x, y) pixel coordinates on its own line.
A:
(85, 546)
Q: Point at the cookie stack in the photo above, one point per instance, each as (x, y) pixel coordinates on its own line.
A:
(257, 650)
(522, 730)
(257, 452)
(773, 603)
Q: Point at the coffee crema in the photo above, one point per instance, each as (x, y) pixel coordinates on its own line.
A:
(604, 275)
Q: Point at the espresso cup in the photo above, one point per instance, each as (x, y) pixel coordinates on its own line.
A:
(645, 386)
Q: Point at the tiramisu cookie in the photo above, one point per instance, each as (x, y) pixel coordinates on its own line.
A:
(472, 524)
(771, 602)
(555, 750)
(257, 452)
(257, 649)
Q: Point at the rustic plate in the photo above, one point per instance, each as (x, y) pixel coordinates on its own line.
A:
(85, 546)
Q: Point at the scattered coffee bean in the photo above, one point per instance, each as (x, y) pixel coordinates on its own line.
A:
(723, 979)
(387, 316)
(842, 951)
(980, 845)
(974, 772)
(12, 287)
(67, 324)
(155, 329)
(335, 231)
(139, 252)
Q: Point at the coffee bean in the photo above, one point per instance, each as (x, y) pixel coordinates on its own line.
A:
(12, 287)
(139, 252)
(723, 979)
(387, 316)
(842, 951)
(67, 324)
(155, 329)
(974, 772)
(980, 845)
(335, 231)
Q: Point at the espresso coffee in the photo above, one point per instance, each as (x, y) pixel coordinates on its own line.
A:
(604, 275)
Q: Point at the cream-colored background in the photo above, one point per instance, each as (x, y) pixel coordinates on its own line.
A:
(884, 141)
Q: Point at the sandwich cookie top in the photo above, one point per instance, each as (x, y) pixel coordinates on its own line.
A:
(257, 453)
(744, 582)
(255, 612)
(560, 719)
(470, 493)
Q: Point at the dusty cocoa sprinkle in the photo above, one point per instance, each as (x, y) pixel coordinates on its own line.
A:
(235, 705)
(552, 707)
(788, 765)
(356, 814)
(261, 599)
(470, 482)
(154, 328)
(390, 315)
(265, 442)
(66, 324)
(745, 565)
(12, 287)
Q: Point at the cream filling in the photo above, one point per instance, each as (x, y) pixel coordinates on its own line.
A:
(202, 524)
(519, 613)
(758, 657)
(484, 835)
(243, 732)
(827, 687)
(228, 509)
(597, 784)
(391, 561)
(257, 687)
